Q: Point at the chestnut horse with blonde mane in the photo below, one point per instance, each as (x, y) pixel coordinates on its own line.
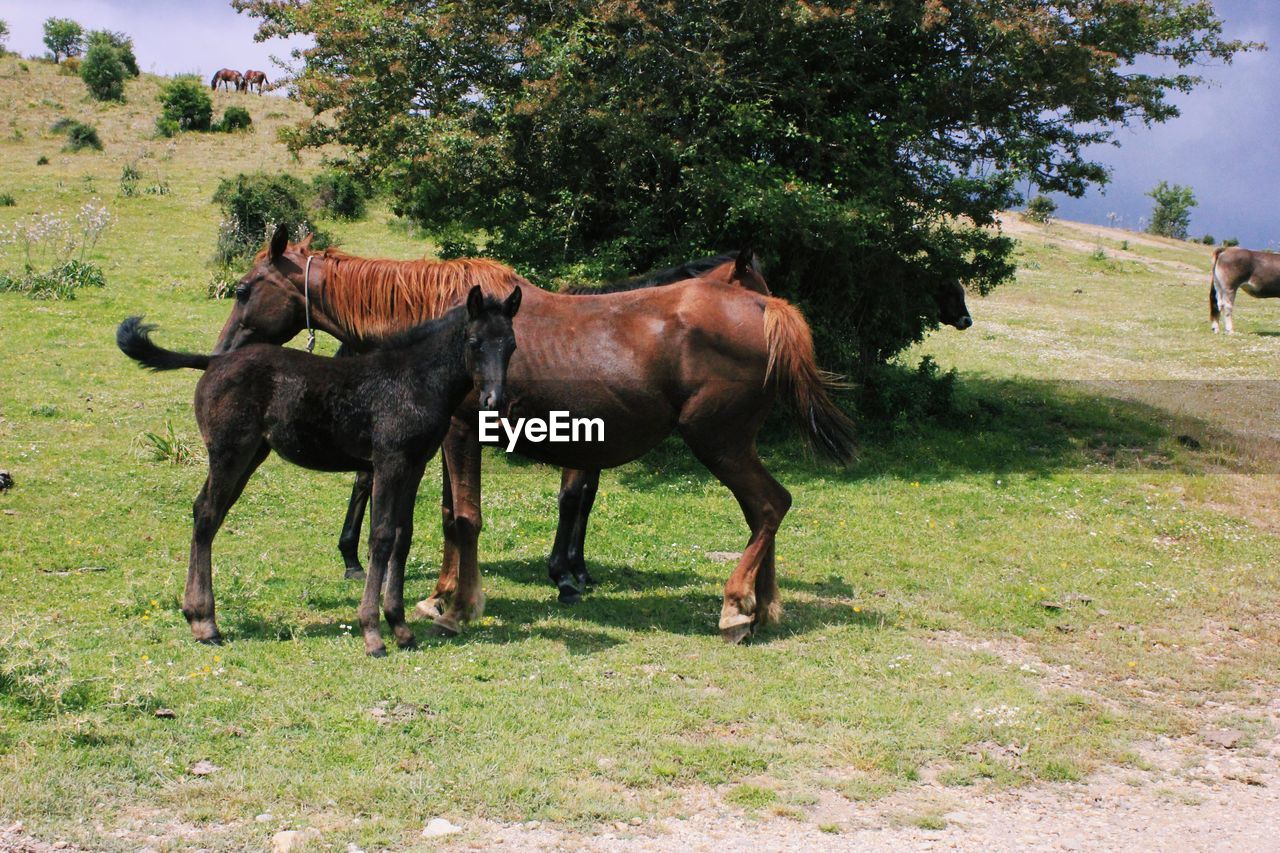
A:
(696, 356)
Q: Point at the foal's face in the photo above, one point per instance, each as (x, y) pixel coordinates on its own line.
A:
(489, 344)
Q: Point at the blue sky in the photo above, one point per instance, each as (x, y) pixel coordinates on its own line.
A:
(1225, 145)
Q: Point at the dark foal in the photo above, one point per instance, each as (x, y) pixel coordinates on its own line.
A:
(385, 413)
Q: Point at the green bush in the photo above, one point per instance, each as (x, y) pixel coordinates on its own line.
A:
(340, 195)
(103, 72)
(167, 127)
(235, 118)
(42, 160)
(185, 102)
(1208, 240)
(253, 205)
(1230, 241)
(894, 395)
(120, 43)
(79, 136)
(6, 200)
(1041, 209)
(61, 282)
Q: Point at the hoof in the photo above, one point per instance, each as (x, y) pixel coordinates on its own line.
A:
(736, 635)
(411, 643)
(445, 626)
(378, 653)
(428, 608)
(215, 640)
(569, 594)
(354, 574)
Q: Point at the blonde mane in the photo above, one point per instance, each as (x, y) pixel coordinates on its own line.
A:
(373, 297)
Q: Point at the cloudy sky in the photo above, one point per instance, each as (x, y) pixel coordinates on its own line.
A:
(1225, 145)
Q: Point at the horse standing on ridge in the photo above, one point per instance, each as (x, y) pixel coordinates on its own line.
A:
(227, 78)
(254, 78)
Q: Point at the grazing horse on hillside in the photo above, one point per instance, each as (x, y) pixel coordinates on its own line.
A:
(254, 78)
(696, 356)
(385, 412)
(1256, 273)
(228, 79)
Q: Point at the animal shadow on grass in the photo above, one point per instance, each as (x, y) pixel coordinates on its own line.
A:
(992, 427)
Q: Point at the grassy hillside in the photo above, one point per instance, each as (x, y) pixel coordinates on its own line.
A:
(1074, 564)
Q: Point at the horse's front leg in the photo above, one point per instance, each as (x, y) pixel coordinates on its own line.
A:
(349, 541)
(458, 596)
(567, 566)
(393, 479)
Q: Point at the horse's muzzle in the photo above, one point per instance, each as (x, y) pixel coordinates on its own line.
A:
(491, 400)
(964, 322)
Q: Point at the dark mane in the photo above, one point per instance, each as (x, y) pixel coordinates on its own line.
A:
(654, 278)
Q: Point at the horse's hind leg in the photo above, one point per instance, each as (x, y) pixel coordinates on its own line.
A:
(349, 541)
(399, 492)
(750, 595)
(566, 565)
(229, 471)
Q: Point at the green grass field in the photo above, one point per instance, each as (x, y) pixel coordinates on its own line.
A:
(1095, 467)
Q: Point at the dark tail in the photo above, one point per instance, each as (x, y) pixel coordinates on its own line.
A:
(792, 362)
(1213, 288)
(134, 340)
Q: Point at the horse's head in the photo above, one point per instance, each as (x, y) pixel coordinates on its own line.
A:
(269, 308)
(490, 341)
(952, 310)
(746, 273)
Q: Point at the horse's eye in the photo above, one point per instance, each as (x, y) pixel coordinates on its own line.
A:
(242, 293)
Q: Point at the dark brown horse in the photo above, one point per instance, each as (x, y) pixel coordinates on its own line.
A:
(385, 413)
(1236, 269)
(697, 356)
(254, 78)
(226, 78)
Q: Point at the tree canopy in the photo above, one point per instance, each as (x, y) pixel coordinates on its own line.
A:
(64, 37)
(863, 148)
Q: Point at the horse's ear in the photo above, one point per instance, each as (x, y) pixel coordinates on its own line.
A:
(279, 242)
(745, 262)
(305, 245)
(475, 303)
(512, 305)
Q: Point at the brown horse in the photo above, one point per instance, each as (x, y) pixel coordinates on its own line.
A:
(1235, 269)
(226, 78)
(698, 356)
(577, 488)
(254, 78)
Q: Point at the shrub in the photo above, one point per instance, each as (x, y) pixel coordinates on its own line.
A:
(254, 204)
(339, 194)
(60, 282)
(129, 177)
(894, 395)
(1041, 209)
(167, 127)
(1171, 213)
(42, 160)
(69, 67)
(1229, 242)
(185, 102)
(235, 118)
(1208, 240)
(120, 43)
(6, 200)
(103, 73)
(81, 136)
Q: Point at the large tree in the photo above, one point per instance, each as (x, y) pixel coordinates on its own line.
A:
(862, 147)
(64, 37)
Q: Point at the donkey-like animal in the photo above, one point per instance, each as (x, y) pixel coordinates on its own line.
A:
(1235, 269)
(385, 412)
(254, 78)
(227, 79)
